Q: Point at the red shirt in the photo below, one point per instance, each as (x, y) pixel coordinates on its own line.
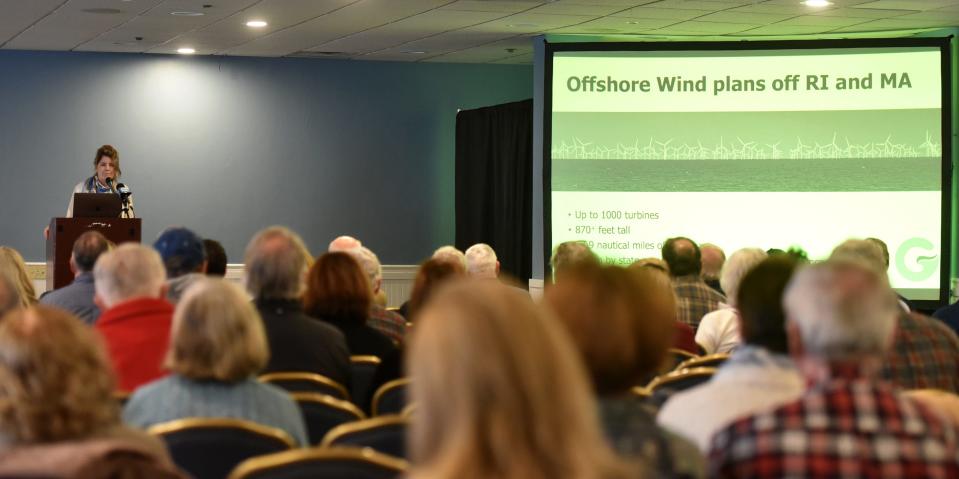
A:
(685, 338)
(136, 334)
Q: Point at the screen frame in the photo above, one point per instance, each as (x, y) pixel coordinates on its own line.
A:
(943, 43)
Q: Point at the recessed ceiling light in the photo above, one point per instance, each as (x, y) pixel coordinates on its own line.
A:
(187, 14)
(256, 23)
(415, 52)
(186, 51)
(816, 3)
(522, 25)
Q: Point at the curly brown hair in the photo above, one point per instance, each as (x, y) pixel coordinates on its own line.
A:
(55, 380)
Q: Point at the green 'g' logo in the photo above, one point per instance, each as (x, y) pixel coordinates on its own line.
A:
(927, 264)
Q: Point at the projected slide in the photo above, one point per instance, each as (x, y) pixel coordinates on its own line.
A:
(751, 148)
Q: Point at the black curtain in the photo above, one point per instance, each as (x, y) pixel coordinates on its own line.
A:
(494, 174)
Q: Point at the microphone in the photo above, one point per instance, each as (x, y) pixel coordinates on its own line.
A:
(110, 183)
(124, 191)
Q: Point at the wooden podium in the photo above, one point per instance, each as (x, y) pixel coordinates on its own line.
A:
(65, 231)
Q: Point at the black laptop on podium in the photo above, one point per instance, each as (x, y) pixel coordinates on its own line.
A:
(96, 205)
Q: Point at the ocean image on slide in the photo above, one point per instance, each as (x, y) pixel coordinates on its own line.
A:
(848, 174)
(875, 150)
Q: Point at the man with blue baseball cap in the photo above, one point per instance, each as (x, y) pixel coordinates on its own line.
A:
(184, 258)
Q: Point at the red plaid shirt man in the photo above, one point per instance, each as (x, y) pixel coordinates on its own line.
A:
(848, 426)
(924, 355)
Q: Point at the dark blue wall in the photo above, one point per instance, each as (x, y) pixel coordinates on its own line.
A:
(227, 146)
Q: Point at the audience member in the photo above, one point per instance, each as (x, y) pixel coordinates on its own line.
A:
(500, 393)
(949, 315)
(183, 258)
(14, 267)
(885, 260)
(568, 254)
(684, 337)
(338, 292)
(719, 330)
(757, 376)
(925, 352)
(216, 347)
(429, 276)
(343, 243)
(713, 258)
(9, 293)
(276, 264)
(58, 417)
(481, 261)
(450, 253)
(135, 318)
(695, 297)
(655, 263)
(390, 324)
(622, 320)
(77, 297)
(215, 258)
(944, 403)
(841, 320)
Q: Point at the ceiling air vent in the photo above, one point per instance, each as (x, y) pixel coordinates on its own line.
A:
(102, 11)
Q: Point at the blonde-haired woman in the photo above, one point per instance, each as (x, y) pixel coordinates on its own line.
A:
(58, 417)
(500, 393)
(217, 345)
(13, 266)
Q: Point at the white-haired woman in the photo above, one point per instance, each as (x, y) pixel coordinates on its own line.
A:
(217, 346)
(719, 330)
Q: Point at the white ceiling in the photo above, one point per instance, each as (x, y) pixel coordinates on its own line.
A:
(472, 31)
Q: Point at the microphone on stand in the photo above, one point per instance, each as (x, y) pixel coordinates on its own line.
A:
(110, 183)
(124, 191)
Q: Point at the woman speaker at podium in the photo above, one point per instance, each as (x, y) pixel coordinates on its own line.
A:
(106, 172)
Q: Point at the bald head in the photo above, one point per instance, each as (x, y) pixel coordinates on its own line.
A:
(713, 259)
(683, 257)
(344, 243)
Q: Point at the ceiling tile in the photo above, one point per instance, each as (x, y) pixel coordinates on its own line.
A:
(933, 16)
(822, 21)
(348, 20)
(907, 4)
(19, 15)
(563, 8)
(861, 13)
(706, 6)
(891, 24)
(703, 28)
(407, 30)
(744, 17)
(661, 13)
(450, 42)
(793, 8)
(614, 25)
(780, 29)
(492, 6)
(69, 26)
